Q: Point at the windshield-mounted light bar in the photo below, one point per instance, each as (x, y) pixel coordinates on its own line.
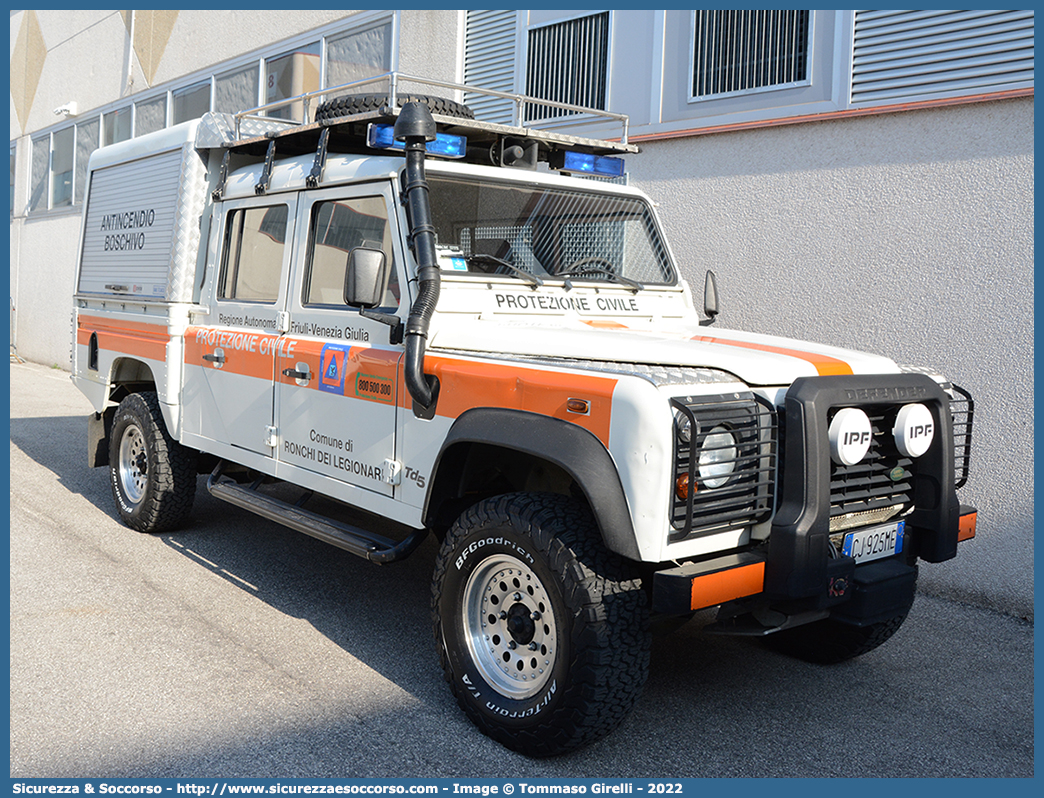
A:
(382, 137)
(584, 163)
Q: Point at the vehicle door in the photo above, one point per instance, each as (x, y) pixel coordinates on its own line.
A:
(230, 360)
(336, 380)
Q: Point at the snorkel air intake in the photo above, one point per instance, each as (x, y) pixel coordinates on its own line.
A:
(416, 127)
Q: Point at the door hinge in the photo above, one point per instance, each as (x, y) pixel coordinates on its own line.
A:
(272, 436)
(392, 472)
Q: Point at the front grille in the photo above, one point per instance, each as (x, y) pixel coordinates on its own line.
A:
(746, 497)
(876, 481)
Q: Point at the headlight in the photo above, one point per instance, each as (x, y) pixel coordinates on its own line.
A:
(684, 427)
(717, 457)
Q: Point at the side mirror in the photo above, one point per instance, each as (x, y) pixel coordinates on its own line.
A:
(366, 278)
(710, 299)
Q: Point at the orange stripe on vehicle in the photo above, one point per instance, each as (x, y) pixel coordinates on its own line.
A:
(717, 588)
(966, 530)
(604, 324)
(368, 374)
(251, 354)
(125, 337)
(467, 384)
(824, 364)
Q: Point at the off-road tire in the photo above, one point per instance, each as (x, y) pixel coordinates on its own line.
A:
(829, 642)
(576, 671)
(153, 477)
(364, 103)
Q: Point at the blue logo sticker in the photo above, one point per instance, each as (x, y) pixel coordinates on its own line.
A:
(333, 362)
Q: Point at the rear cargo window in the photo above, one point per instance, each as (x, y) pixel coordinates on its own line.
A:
(338, 227)
(254, 243)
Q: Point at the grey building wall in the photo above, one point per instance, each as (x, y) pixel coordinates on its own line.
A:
(907, 234)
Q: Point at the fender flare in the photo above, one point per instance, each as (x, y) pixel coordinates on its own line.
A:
(571, 447)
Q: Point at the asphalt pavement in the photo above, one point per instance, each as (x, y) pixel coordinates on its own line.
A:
(238, 648)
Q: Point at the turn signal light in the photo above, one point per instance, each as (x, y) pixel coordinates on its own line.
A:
(681, 487)
(578, 406)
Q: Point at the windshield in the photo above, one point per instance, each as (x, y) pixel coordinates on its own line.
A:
(519, 230)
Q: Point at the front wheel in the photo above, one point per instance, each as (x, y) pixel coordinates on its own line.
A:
(542, 632)
(153, 477)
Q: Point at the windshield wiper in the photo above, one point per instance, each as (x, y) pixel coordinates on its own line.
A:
(580, 271)
(529, 277)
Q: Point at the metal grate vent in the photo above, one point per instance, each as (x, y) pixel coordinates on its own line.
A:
(735, 51)
(745, 495)
(568, 63)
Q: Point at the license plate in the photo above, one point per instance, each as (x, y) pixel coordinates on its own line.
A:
(874, 543)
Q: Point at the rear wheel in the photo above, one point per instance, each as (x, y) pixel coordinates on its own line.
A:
(153, 477)
(828, 642)
(542, 632)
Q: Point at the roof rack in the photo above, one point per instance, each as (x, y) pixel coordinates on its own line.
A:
(251, 131)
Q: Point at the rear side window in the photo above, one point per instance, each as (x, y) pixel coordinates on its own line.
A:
(254, 242)
(338, 227)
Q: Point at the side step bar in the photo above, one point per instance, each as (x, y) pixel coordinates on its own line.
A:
(368, 545)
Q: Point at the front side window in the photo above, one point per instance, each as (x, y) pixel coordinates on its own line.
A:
(740, 51)
(254, 242)
(338, 227)
(496, 228)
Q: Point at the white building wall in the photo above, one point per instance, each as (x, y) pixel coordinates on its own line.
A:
(907, 234)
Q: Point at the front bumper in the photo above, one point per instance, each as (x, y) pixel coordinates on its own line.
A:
(798, 569)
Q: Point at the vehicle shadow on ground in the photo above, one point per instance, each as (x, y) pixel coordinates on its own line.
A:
(59, 444)
(713, 706)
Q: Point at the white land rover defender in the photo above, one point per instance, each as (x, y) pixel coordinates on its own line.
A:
(449, 324)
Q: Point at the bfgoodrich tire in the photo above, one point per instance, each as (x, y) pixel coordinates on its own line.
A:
(542, 633)
(153, 477)
(828, 642)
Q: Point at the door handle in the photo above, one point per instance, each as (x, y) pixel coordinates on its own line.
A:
(297, 375)
(217, 357)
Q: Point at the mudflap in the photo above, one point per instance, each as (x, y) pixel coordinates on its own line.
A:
(99, 425)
